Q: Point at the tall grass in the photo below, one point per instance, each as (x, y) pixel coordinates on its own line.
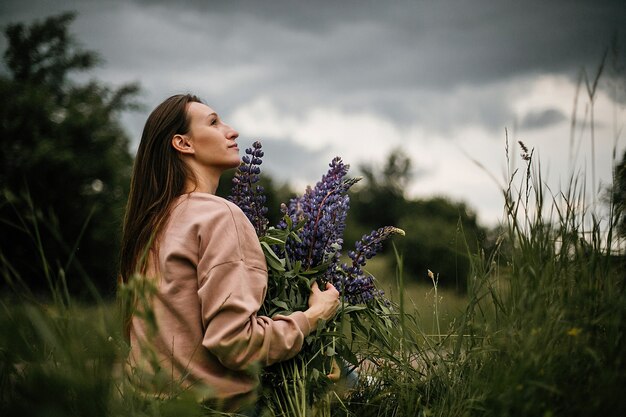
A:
(541, 332)
(543, 329)
(61, 356)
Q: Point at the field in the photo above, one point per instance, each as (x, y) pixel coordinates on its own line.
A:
(540, 332)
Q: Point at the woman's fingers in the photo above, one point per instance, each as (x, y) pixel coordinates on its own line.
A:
(335, 372)
(331, 287)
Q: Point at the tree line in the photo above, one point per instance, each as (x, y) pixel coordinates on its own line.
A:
(65, 162)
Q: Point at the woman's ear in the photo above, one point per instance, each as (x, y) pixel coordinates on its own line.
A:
(182, 144)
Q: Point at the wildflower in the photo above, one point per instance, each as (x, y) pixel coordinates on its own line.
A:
(246, 193)
(574, 331)
(307, 244)
(355, 286)
(323, 210)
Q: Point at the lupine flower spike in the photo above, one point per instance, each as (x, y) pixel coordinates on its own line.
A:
(324, 210)
(356, 286)
(246, 193)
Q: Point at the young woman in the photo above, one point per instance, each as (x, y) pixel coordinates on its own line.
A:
(201, 329)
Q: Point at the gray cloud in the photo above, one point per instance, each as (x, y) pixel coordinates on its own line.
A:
(542, 119)
(425, 41)
(355, 44)
(438, 66)
(283, 157)
(413, 62)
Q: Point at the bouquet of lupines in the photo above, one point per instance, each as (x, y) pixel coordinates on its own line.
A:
(306, 246)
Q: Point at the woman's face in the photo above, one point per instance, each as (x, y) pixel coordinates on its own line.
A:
(213, 141)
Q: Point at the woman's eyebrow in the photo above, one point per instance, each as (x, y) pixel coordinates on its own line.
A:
(211, 114)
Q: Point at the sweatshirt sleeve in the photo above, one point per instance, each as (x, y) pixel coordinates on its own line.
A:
(232, 286)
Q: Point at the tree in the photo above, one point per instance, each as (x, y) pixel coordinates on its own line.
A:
(379, 198)
(65, 161)
(440, 234)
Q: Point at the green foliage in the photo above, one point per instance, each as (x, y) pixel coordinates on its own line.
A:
(55, 362)
(559, 310)
(380, 198)
(439, 233)
(542, 334)
(64, 149)
(439, 236)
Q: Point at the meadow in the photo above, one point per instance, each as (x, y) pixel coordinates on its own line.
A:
(540, 332)
(540, 329)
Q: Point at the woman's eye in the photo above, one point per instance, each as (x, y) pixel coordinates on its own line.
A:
(213, 122)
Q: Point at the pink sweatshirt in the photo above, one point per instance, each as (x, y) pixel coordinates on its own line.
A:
(211, 284)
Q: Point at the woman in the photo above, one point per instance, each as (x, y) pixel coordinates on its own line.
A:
(206, 264)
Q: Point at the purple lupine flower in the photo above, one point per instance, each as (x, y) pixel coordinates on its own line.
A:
(323, 209)
(355, 285)
(246, 193)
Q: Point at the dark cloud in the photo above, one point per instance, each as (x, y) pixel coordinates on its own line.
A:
(440, 68)
(392, 58)
(355, 44)
(542, 119)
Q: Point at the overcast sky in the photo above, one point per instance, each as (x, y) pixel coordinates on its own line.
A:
(440, 80)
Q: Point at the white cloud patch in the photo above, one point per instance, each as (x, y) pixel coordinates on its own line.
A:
(353, 136)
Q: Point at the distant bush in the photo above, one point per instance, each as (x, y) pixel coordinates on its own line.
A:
(65, 153)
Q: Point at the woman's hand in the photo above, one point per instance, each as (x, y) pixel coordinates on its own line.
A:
(335, 371)
(322, 304)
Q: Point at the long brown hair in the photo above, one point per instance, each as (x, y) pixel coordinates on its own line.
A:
(159, 176)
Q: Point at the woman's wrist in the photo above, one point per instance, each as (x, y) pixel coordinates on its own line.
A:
(313, 316)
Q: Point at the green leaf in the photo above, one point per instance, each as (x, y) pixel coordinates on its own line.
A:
(280, 303)
(296, 267)
(289, 222)
(348, 355)
(272, 259)
(273, 264)
(272, 240)
(350, 309)
(294, 236)
(306, 282)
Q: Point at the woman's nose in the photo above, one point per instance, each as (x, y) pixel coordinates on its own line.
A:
(231, 133)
